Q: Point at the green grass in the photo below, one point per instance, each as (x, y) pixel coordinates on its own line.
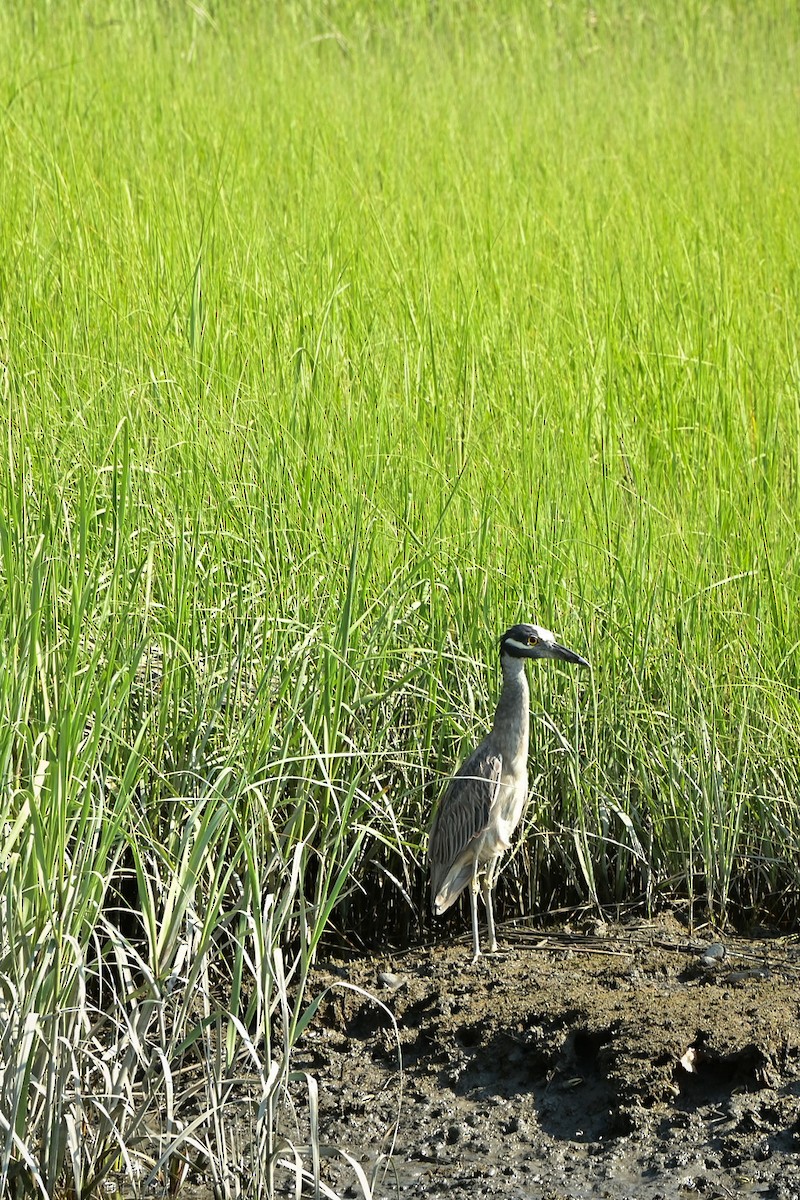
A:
(333, 340)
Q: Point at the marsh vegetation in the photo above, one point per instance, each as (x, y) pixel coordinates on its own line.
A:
(333, 339)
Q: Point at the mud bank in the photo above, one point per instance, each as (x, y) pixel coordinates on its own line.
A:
(606, 1061)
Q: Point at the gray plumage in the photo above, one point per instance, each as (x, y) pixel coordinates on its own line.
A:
(486, 798)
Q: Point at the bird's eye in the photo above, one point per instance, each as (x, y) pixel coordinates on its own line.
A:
(533, 641)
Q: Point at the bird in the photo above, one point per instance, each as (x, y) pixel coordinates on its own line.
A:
(485, 799)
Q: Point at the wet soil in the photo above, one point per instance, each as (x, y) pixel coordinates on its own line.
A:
(596, 1061)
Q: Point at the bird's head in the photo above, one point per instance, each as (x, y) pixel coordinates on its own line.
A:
(532, 641)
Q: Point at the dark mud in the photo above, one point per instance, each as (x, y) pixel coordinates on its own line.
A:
(606, 1061)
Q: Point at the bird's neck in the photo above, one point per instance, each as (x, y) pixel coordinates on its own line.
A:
(512, 717)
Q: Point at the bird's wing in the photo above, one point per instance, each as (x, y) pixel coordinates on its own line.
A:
(463, 813)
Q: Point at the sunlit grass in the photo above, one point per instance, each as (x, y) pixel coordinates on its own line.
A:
(332, 341)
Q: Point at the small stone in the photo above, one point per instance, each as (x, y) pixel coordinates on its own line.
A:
(713, 955)
(391, 981)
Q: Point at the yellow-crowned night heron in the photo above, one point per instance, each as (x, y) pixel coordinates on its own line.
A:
(482, 807)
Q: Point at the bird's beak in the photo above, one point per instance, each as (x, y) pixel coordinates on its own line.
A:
(568, 655)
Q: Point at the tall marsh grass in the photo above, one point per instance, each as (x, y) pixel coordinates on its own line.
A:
(334, 339)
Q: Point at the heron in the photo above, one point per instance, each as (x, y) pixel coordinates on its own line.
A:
(486, 798)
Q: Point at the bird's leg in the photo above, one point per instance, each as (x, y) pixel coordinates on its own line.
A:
(473, 900)
(487, 900)
(486, 886)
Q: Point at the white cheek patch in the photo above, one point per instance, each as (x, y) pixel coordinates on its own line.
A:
(513, 643)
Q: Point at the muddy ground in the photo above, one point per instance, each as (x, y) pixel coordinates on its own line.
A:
(601, 1060)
